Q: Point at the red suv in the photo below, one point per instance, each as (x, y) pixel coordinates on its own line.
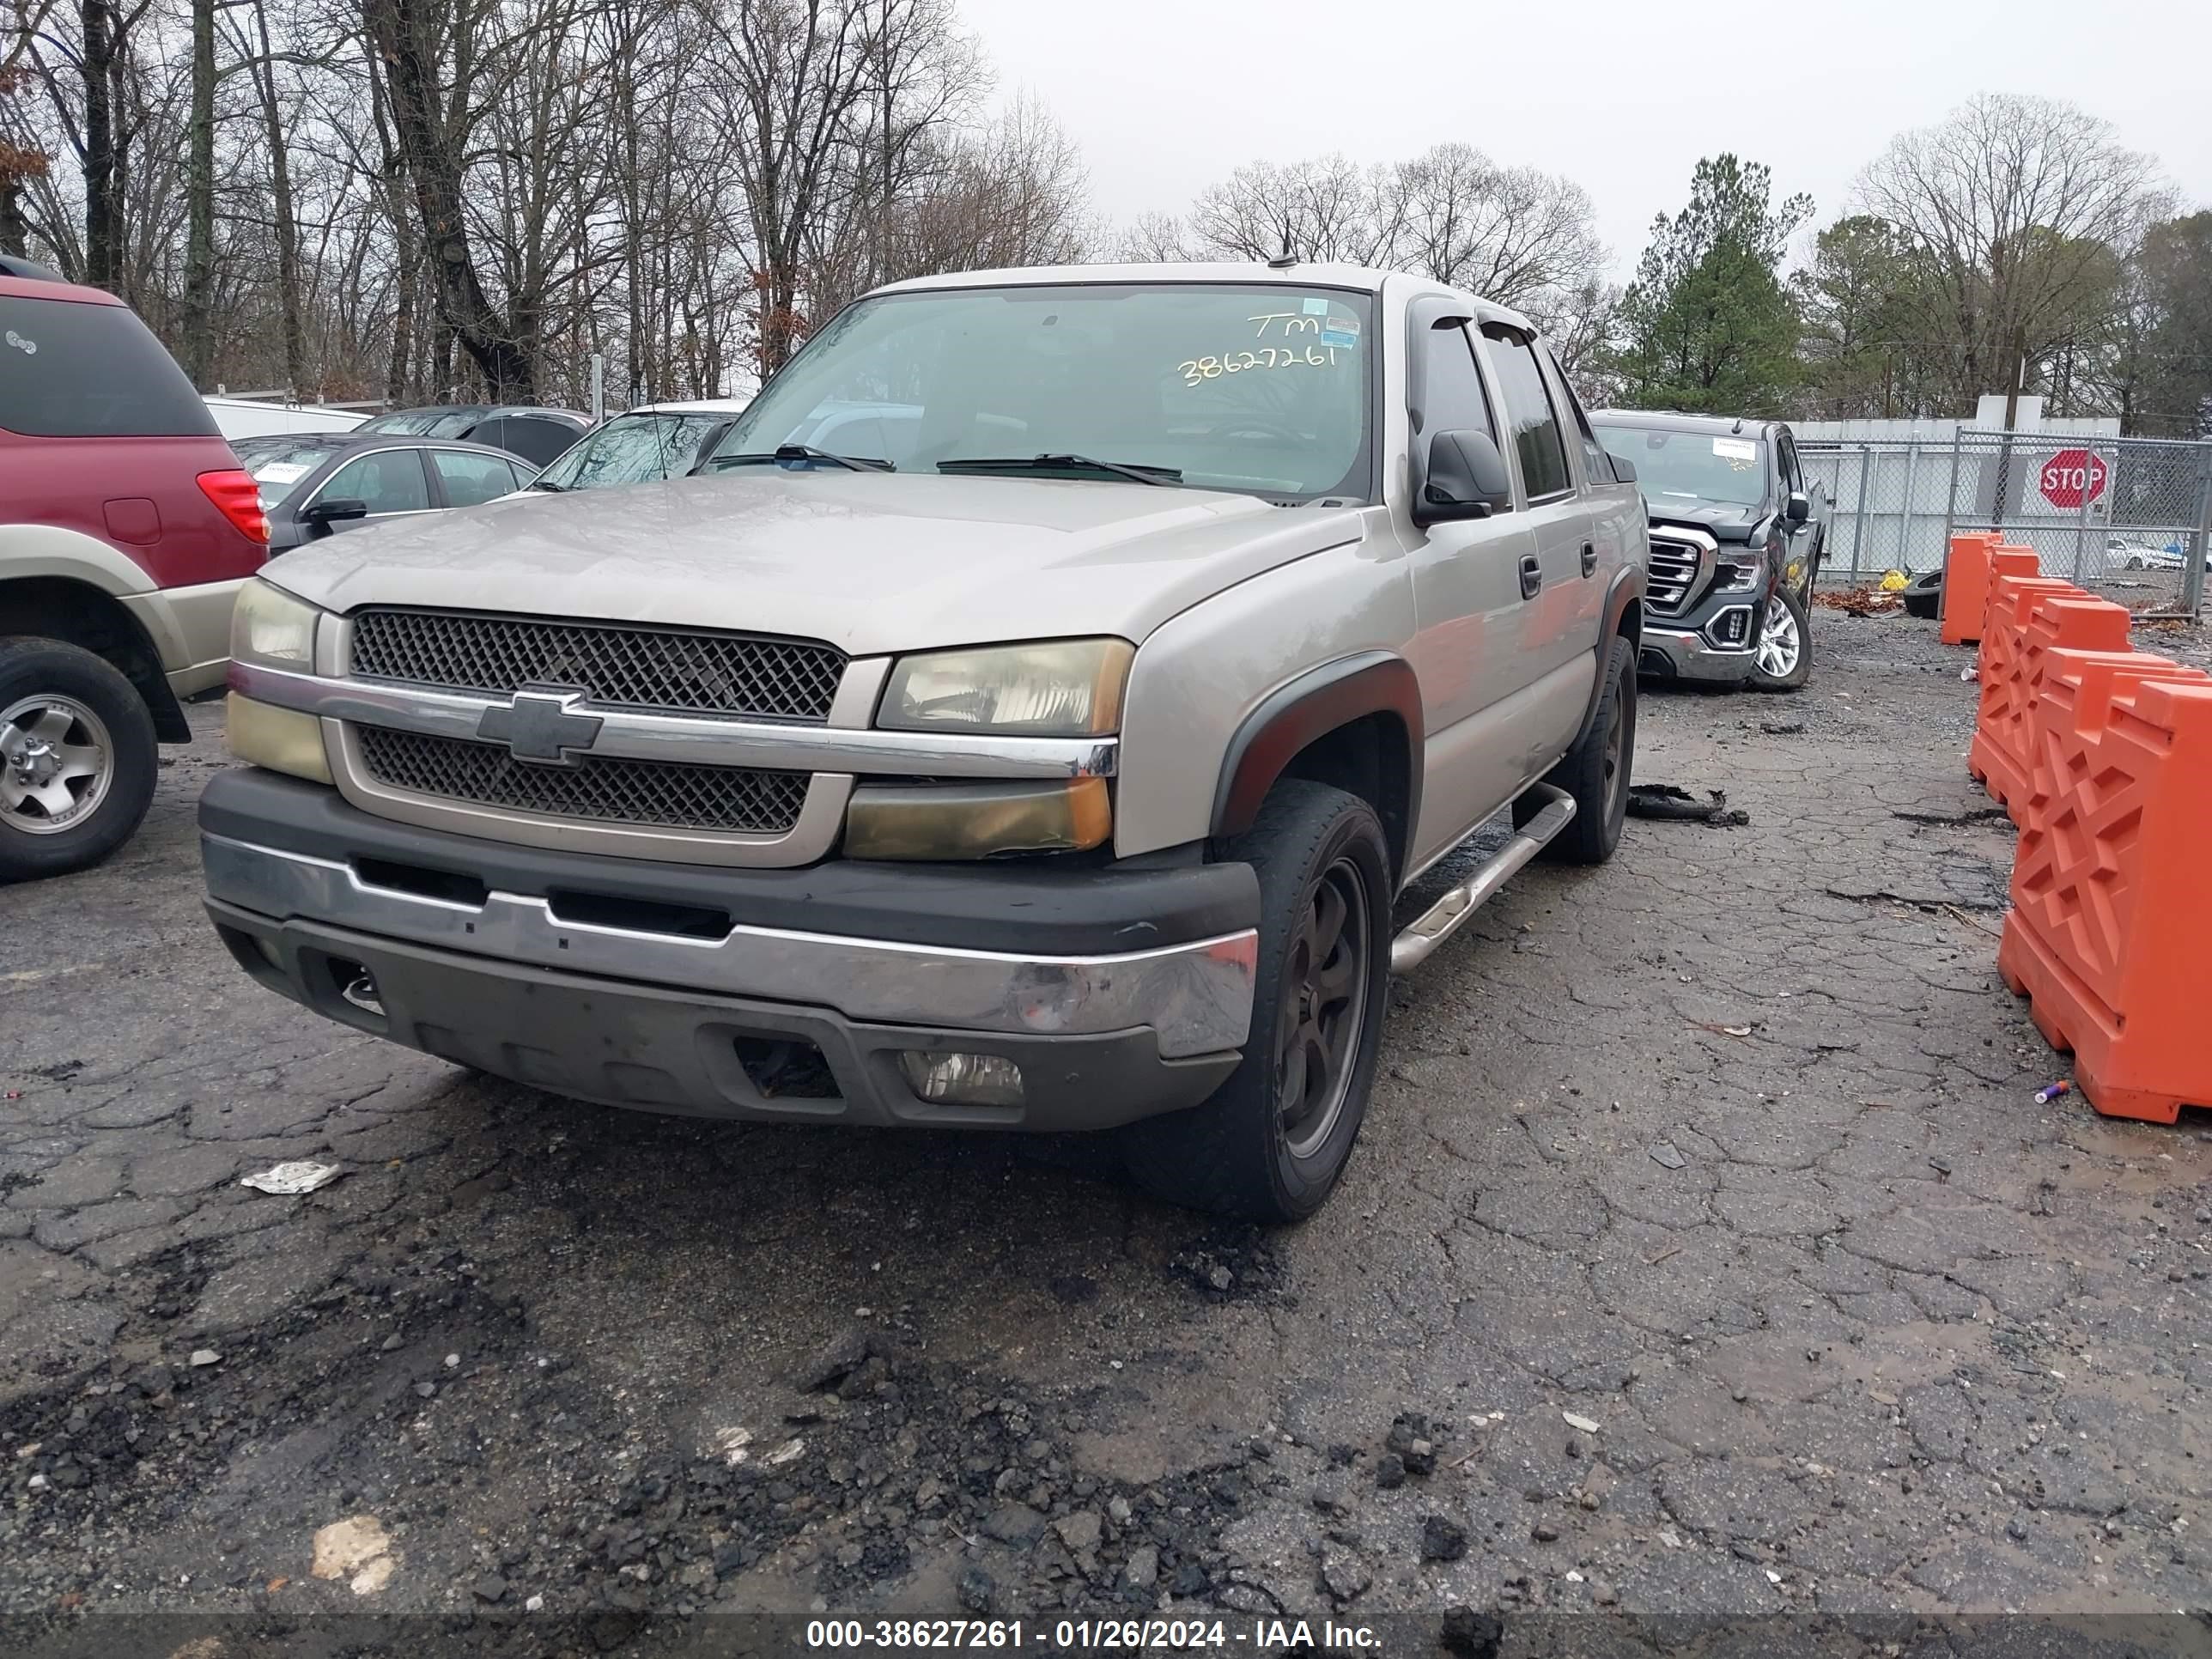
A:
(125, 529)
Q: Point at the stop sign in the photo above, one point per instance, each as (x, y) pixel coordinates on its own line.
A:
(2067, 473)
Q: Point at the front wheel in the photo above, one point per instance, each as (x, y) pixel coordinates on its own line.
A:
(1270, 1144)
(77, 758)
(1783, 661)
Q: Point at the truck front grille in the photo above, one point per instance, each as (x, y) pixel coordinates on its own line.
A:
(683, 671)
(652, 795)
(1673, 577)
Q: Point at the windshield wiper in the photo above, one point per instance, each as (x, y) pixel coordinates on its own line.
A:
(804, 453)
(540, 483)
(1134, 471)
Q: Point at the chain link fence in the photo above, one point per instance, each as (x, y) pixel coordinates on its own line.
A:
(2128, 518)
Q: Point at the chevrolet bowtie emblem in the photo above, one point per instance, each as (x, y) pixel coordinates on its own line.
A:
(541, 726)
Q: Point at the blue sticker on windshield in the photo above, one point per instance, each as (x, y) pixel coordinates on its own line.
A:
(1337, 337)
(1316, 308)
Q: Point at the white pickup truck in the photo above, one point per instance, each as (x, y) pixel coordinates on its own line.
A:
(1029, 719)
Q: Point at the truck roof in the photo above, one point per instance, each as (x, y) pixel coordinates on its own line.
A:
(1317, 274)
(1670, 420)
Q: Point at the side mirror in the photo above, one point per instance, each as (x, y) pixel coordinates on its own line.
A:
(1624, 470)
(1799, 508)
(1466, 479)
(334, 510)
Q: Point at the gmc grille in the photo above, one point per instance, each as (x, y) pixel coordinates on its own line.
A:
(1673, 578)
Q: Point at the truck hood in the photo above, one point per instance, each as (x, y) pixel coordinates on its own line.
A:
(1723, 521)
(872, 562)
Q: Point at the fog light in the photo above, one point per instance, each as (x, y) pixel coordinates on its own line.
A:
(358, 985)
(1732, 627)
(963, 1079)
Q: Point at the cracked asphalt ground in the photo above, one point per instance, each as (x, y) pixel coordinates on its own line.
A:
(1728, 1149)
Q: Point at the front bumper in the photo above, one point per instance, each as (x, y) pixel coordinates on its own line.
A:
(653, 986)
(1682, 654)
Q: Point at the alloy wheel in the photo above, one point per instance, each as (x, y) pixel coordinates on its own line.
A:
(1325, 991)
(57, 763)
(1779, 642)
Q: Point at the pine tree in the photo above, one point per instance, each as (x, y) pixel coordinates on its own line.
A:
(1707, 324)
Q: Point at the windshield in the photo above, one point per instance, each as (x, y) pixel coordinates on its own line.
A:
(425, 423)
(631, 449)
(1691, 465)
(278, 463)
(1255, 388)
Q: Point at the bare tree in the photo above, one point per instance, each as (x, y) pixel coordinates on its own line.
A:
(2014, 211)
(1154, 238)
(1516, 235)
(1328, 209)
(793, 76)
(20, 162)
(423, 198)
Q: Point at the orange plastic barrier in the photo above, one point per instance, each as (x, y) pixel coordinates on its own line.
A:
(2112, 909)
(1966, 586)
(1976, 559)
(2029, 617)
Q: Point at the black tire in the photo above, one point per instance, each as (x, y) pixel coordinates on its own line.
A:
(1924, 598)
(1596, 771)
(1240, 1153)
(1800, 670)
(123, 787)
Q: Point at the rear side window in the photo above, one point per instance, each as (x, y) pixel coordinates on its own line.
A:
(470, 479)
(1529, 415)
(535, 440)
(388, 480)
(1596, 464)
(71, 370)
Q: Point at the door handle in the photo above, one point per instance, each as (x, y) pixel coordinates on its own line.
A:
(1532, 576)
(1589, 558)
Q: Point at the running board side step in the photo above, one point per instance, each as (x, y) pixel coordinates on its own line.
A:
(1443, 918)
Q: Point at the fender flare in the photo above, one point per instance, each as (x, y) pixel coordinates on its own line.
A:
(1309, 706)
(49, 549)
(1627, 586)
(48, 553)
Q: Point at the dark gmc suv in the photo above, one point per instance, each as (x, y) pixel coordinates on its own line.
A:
(126, 527)
(1737, 536)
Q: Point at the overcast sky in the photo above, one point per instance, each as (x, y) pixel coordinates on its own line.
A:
(1623, 96)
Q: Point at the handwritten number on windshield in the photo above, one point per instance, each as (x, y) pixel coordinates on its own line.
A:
(1199, 370)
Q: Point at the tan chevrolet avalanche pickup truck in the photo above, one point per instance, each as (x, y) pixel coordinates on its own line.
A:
(1027, 717)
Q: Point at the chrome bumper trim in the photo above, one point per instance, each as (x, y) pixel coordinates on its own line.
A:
(1197, 997)
(1694, 658)
(639, 734)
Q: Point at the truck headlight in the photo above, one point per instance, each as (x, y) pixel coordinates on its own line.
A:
(1058, 688)
(1743, 578)
(270, 627)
